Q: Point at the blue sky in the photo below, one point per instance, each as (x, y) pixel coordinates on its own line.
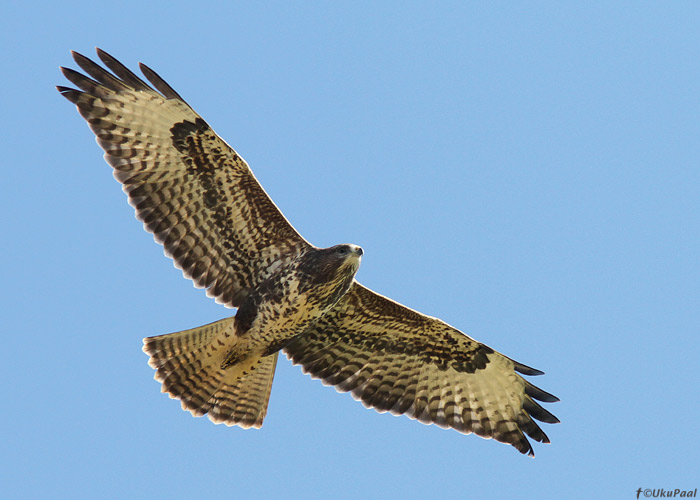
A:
(528, 173)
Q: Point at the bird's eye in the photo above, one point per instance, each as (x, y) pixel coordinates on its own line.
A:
(341, 250)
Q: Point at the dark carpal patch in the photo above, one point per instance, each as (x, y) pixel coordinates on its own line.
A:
(184, 129)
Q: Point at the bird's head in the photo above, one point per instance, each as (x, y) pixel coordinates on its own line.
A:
(346, 253)
(345, 257)
(336, 262)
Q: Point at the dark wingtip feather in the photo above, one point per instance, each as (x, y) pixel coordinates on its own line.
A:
(533, 430)
(76, 55)
(71, 94)
(524, 369)
(522, 444)
(539, 394)
(81, 81)
(81, 59)
(536, 411)
(160, 84)
(122, 71)
(524, 447)
(97, 72)
(527, 370)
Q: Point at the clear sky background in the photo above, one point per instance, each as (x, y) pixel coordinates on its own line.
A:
(528, 173)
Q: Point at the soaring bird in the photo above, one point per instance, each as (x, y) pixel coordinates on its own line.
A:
(202, 202)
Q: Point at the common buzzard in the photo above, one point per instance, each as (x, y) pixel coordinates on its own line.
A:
(201, 201)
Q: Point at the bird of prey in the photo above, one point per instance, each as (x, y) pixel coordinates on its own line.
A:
(201, 201)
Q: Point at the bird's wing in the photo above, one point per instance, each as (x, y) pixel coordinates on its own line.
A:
(190, 189)
(395, 359)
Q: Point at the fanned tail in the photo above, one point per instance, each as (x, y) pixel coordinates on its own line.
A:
(189, 365)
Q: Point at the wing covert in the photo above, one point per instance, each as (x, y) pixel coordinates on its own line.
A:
(190, 189)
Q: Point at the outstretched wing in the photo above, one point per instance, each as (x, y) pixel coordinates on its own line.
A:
(189, 188)
(395, 359)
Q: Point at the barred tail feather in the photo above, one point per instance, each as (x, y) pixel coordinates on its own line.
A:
(189, 365)
(244, 402)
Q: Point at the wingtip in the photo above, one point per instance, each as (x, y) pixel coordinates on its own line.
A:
(77, 56)
(524, 369)
(71, 94)
(524, 446)
(527, 370)
(537, 393)
(103, 54)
